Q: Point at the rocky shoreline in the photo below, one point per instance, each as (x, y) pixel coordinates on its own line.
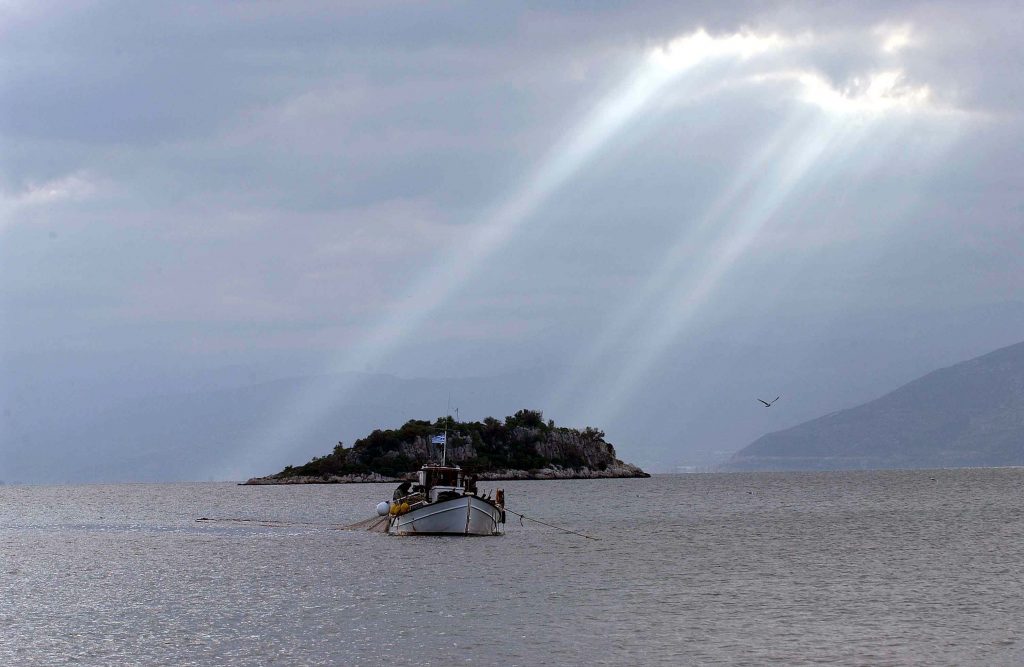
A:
(626, 470)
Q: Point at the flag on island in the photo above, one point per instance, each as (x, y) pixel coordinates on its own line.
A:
(439, 439)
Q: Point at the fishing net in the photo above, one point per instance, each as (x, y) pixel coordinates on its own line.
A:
(376, 524)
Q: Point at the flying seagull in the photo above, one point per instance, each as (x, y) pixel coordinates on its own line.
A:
(768, 404)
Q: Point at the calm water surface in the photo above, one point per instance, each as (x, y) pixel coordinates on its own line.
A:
(874, 568)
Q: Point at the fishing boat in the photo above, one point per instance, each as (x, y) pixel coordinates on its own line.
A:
(443, 501)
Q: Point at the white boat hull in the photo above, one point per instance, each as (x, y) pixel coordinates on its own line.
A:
(467, 515)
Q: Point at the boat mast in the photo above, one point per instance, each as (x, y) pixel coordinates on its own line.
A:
(447, 418)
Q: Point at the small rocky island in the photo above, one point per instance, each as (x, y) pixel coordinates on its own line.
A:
(523, 446)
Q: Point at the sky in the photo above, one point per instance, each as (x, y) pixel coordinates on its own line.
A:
(612, 194)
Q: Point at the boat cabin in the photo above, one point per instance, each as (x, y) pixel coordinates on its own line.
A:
(435, 480)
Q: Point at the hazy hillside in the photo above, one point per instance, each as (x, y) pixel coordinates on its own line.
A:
(221, 434)
(970, 414)
(145, 417)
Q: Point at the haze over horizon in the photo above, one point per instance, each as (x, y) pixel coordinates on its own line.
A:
(640, 218)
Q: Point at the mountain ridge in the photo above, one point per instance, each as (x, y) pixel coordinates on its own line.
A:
(964, 415)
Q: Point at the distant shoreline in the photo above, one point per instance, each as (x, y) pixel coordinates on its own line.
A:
(625, 471)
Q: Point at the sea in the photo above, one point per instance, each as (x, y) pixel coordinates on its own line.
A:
(840, 568)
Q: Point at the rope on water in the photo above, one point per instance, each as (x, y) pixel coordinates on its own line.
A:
(564, 530)
(267, 523)
(375, 523)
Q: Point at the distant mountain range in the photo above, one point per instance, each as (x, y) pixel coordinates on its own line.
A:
(969, 414)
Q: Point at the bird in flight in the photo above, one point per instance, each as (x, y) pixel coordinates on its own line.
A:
(768, 404)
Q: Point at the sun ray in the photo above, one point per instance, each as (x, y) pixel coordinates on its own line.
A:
(905, 139)
(849, 116)
(811, 169)
(668, 65)
(799, 153)
(738, 235)
(647, 296)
